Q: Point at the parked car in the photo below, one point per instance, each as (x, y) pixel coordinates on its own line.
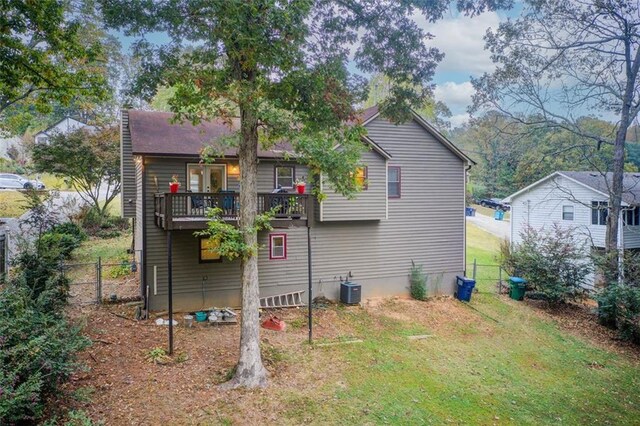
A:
(11, 181)
(494, 203)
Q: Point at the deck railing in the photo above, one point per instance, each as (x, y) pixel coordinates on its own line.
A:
(194, 206)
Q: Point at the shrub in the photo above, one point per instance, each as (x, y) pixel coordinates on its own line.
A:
(63, 244)
(71, 228)
(37, 350)
(418, 282)
(619, 307)
(552, 262)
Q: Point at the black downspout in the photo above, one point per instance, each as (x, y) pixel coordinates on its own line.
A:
(170, 288)
(310, 284)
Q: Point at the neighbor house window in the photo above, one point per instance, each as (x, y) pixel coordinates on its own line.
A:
(567, 212)
(394, 182)
(209, 250)
(278, 246)
(284, 177)
(599, 212)
(632, 217)
(361, 176)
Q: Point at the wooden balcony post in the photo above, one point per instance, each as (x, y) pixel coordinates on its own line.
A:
(168, 211)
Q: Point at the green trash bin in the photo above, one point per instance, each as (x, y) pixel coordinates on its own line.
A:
(517, 288)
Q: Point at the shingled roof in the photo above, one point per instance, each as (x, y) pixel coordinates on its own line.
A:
(152, 133)
(597, 181)
(602, 183)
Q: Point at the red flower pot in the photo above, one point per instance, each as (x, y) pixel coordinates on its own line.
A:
(300, 188)
(173, 187)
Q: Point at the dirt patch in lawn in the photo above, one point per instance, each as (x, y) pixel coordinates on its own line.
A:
(581, 320)
(127, 388)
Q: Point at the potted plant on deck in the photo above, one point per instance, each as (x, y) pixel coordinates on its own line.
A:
(300, 185)
(174, 185)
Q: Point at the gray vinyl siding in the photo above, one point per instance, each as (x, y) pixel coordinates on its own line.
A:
(369, 204)
(426, 224)
(222, 284)
(266, 174)
(127, 169)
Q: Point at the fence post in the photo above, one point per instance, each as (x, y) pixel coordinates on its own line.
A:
(475, 267)
(99, 281)
(499, 279)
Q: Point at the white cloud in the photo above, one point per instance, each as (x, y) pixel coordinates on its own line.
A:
(457, 96)
(461, 40)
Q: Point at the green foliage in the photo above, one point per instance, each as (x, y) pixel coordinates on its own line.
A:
(49, 58)
(64, 244)
(70, 228)
(122, 270)
(552, 261)
(418, 282)
(231, 243)
(89, 161)
(619, 307)
(158, 356)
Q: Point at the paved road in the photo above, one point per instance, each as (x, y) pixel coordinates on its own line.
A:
(499, 228)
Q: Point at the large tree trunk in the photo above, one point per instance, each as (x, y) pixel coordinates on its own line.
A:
(250, 372)
(615, 197)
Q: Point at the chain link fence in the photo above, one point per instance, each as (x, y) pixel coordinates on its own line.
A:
(97, 282)
(489, 278)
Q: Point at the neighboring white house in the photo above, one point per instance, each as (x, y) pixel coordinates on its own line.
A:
(64, 126)
(578, 200)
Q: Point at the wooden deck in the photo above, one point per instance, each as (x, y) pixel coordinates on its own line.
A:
(189, 210)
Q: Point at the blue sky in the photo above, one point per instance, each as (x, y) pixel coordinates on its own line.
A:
(461, 40)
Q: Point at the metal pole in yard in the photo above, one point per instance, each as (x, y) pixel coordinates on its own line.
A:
(309, 263)
(475, 268)
(99, 280)
(170, 288)
(499, 279)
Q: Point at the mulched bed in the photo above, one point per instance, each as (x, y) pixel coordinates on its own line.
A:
(126, 388)
(581, 320)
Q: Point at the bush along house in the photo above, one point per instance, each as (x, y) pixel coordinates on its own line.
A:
(411, 208)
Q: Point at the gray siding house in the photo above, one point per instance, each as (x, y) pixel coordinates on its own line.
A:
(412, 208)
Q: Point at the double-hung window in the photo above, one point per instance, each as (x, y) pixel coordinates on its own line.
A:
(567, 212)
(277, 246)
(361, 176)
(599, 212)
(284, 177)
(394, 181)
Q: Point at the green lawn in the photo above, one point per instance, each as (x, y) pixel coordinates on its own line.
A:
(494, 361)
(11, 204)
(110, 250)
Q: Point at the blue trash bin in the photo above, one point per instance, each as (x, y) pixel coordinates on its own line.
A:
(498, 215)
(465, 288)
(470, 211)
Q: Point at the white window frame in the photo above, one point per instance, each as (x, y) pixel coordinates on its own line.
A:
(601, 208)
(293, 176)
(272, 237)
(568, 209)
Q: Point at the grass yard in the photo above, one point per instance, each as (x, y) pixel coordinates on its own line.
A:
(494, 361)
(11, 204)
(110, 249)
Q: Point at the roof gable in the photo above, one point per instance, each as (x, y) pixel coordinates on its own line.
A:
(370, 114)
(594, 181)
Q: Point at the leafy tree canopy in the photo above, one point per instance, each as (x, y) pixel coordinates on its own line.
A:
(44, 57)
(90, 161)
